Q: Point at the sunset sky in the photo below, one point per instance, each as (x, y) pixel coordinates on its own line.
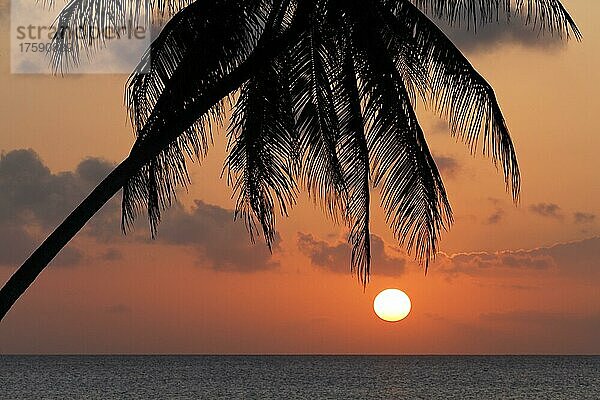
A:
(509, 279)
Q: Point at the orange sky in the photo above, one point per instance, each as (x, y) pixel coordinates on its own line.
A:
(510, 280)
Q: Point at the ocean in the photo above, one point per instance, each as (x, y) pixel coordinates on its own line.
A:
(299, 377)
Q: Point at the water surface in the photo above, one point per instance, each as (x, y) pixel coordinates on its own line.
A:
(299, 377)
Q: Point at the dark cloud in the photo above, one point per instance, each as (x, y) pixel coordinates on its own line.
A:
(579, 259)
(584, 218)
(222, 243)
(68, 257)
(16, 244)
(475, 263)
(93, 170)
(496, 202)
(498, 214)
(336, 257)
(496, 217)
(32, 193)
(447, 165)
(438, 126)
(111, 254)
(34, 197)
(548, 210)
(489, 37)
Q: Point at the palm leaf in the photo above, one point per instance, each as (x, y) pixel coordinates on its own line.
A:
(412, 191)
(263, 152)
(352, 149)
(115, 14)
(198, 40)
(547, 15)
(317, 122)
(457, 90)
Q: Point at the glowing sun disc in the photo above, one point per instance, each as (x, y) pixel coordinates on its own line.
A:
(392, 305)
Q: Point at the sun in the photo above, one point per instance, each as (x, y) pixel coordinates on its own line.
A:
(392, 305)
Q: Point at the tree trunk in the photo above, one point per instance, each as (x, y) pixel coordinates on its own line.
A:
(139, 156)
(41, 257)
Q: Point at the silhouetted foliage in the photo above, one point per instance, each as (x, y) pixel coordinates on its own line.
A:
(326, 91)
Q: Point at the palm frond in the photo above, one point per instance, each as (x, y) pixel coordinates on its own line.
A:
(412, 191)
(263, 151)
(472, 13)
(352, 148)
(207, 40)
(546, 15)
(203, 39)
(458, 91)
(67, 48)
(317, 122)
(409, 62)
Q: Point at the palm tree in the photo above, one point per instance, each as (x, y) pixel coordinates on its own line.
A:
(326, 94)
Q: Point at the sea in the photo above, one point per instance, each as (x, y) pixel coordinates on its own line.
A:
(299, 377)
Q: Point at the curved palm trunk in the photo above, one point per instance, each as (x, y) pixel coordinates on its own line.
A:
(41, 257)
(140, 155)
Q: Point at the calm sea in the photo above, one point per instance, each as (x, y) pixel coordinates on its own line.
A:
(299, 377)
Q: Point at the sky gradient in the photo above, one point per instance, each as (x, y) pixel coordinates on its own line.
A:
(509, 279)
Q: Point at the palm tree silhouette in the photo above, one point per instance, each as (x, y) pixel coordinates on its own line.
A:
(327, 90)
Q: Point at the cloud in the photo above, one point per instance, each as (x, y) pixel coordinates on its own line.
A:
(111, 254)
(93, 170)
(584, 218)
(489, 37)
(580, 259)
(336, 257)
(447, 165)
(548, 210)
(31, 193)
(118, 54)
(33, 198)
(496, 217)
(438, 126)
(219, 240)
(476, 263)
(498, 214)
(18, 243)
(68, 257)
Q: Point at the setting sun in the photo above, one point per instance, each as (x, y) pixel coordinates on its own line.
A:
(392, 305)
